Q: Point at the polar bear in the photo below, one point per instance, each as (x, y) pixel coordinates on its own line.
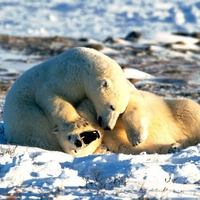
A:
(40, 99)
(155, 125)
(150, 124)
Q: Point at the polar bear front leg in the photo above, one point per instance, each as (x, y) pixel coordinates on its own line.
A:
(136, 130)
(135, 121)
(58, 110)
(136, 118)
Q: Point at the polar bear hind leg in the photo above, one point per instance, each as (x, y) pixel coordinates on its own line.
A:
(27, 132)
(187, 115)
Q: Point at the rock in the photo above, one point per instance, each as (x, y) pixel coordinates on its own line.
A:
(133, 36)
(96, 46)
(194, 34)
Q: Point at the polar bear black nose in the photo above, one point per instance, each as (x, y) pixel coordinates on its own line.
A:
(78, 143)
(89, 136)
(107, 128)
(100, 121)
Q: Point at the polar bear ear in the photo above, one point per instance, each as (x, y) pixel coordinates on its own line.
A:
(55, 131)
(105, 83)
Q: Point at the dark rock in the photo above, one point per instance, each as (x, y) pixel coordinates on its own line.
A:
(38, 45)
(96, 46)
(133, 36)
(194, 34)
(110, 40)
(83, 39)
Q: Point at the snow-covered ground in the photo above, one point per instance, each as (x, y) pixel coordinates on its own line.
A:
(33, 173)
(97, 19)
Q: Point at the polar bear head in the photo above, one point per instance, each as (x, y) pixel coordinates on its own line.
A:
(105, 84)
(78, 140)
(110, 100)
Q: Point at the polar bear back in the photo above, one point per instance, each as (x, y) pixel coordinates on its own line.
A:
(74, 74)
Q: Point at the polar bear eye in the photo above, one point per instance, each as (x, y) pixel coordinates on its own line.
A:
(104, 83)
(112, 107)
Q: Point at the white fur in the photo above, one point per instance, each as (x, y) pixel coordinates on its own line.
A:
(42, 98)
(151, 124)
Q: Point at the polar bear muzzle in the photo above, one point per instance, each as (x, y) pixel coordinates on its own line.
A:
(85, 138)
(107, 120)
(100, 121)
(89, 136)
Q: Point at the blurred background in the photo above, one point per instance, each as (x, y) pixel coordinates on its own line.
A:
(97, 19)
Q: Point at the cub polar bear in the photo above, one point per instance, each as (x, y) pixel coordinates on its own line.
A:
(41, 98)
(151, 124)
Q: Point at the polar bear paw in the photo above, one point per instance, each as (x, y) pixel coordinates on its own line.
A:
(175, 147)
(137, 137)
(102, 149)
(136, 131)
(135, 140)
(80, 123)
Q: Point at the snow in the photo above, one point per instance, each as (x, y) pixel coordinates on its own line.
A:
(33, 173)
(131, 73)
(76, 18)
(18, 62)
(164, 38)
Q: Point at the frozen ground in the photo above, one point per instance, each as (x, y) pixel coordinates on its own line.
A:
(97, 19)
(32, 173)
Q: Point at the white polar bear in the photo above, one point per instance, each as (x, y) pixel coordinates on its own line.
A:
(155, 125)
(152, 124)
(40, 99)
